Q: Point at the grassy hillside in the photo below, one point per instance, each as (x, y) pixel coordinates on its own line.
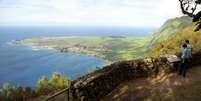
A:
(110, 48)
(169, 28)
(173, 44)
(171, 36)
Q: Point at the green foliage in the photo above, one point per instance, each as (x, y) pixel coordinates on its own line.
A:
(56, 82)
(171, 36)
(44, 87)
(10, 93)
(173, 44)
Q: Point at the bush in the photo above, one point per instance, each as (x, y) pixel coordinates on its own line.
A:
(44, 86)
(56, 82)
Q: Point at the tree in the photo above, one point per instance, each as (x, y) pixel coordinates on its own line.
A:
(43, 86)
(56, 82)
(190, 8)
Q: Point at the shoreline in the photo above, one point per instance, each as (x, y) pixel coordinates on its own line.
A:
(110, 49)
(62, 50)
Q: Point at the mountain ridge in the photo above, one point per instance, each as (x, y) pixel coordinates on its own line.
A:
(169, 28)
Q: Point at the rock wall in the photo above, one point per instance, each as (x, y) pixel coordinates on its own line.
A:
(99, 83)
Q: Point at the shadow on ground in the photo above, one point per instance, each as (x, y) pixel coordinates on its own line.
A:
(171, 87)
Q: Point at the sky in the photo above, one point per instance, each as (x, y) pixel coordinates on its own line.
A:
(137, 13)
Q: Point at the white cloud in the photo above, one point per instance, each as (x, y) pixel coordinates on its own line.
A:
(88, 12)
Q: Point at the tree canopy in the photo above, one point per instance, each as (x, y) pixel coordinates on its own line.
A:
(192, 9)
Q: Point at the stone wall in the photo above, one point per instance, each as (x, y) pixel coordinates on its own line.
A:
(97, 84)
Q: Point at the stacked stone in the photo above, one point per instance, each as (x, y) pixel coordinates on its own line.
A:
(93, 86)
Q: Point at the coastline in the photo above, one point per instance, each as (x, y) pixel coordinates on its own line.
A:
(63, 50)
(110, 49)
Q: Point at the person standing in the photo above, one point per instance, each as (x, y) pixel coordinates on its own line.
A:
(189, 46)
(184, 61)
(190, 51)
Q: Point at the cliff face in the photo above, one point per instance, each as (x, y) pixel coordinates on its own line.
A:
(101, 82)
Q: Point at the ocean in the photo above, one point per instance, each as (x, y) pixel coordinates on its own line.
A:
(24, 65)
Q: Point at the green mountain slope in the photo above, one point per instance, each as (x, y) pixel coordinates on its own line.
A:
(169, 28)
(173, 44)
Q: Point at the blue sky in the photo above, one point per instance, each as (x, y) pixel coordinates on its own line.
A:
(139, 13)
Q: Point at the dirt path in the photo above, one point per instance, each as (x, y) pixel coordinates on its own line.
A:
(170, 87)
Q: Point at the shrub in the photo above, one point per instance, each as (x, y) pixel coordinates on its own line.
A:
(44, 86)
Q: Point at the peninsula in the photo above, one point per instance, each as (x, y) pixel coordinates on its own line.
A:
(111, 48)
